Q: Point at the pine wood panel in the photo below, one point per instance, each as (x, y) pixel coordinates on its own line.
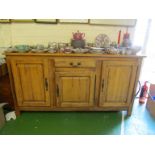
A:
(30, 84)
(75, 63)
(31, 77)
(75, 89)
(139, 62)
(117, 89)
(117, 83)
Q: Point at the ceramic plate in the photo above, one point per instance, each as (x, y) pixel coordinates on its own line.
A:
(102, 40)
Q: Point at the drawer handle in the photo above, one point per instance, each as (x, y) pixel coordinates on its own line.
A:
(57, 90)
(71, 63)
(75, 65)
(46, 84)
(102, 84)
(79, 63)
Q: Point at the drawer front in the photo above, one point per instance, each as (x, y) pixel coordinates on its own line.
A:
(74, 63)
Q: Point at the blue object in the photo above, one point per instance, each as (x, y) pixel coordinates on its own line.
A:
(153, 97)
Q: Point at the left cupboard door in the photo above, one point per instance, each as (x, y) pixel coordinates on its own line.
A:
(31, 81)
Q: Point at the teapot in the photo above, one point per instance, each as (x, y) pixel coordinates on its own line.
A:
(78, 35)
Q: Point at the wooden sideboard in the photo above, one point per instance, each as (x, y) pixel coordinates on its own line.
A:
(73, 82)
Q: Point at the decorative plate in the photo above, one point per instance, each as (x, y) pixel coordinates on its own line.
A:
(102, 40)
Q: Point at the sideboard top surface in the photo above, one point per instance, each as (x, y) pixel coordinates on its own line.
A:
(74, 55)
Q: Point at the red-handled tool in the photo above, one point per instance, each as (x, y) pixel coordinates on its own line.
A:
(143, 93)
(119, 38)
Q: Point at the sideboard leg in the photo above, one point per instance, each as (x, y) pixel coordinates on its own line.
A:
(129, 112)
(17, 112)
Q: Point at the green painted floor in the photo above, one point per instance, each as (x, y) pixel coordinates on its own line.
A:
(64, 123)
(82, 123)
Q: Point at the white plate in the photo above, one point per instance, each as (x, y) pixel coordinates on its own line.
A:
(102, 40)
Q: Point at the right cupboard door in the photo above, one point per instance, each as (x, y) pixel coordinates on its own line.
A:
(117, 83)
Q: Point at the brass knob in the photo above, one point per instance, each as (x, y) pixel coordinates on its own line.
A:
(79, 63)
(71, 63)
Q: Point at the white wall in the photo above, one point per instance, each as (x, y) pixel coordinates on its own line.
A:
(33, 33)
(5, 35)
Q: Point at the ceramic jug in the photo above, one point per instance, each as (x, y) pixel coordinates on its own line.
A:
(78, 35)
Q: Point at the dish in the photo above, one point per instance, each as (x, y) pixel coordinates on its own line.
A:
(97, 48)
(22, 48)
(102, 40)
(38, 51)
(80, 50)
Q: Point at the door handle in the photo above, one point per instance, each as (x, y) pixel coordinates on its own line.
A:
(57, 90)
(75, 65)
(102, 85)
(46, 84)
(94, 88)
(79, 63)
(71, 63)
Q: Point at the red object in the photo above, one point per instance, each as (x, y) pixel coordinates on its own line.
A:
(126, 35)
(78, 35)
(119, 37)
(143, 93)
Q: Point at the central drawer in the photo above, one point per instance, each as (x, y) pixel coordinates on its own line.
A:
(75, 63)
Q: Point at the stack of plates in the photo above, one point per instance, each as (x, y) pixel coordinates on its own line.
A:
(80, 50)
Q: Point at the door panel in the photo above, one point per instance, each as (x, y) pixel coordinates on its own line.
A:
(31, 82)
(117, 83)
(75, 89)
(31, 79)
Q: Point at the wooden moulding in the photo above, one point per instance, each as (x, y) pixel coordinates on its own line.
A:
(5, 21)
(22, 20)
(46, 21)
(114, 22)
(73, 21)
(72, 109)
(59, 54)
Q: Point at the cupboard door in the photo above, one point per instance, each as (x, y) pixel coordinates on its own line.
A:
(31, 82)
(75, 89)
(118, 79)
